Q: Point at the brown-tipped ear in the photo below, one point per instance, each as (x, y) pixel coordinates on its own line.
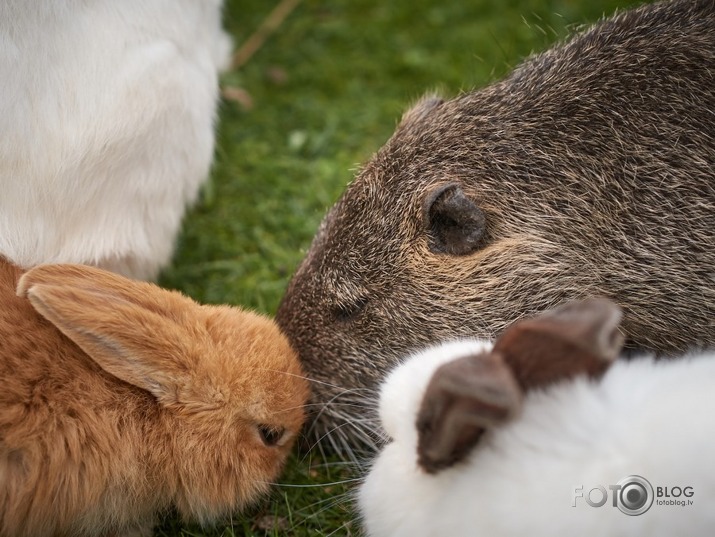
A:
(134, 344)
(463, 399)
(92, 278)
(580, 337)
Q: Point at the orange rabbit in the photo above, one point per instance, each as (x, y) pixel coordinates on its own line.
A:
(120, 399)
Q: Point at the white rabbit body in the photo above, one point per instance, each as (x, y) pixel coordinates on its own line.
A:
(106, 127)
(644, 417)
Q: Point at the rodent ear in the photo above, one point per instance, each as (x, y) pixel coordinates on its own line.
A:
(463, 399)
(580, 337)
(139, 346)
(421, 109)
(454, 223)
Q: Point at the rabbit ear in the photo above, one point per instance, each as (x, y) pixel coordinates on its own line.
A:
(137, 345)
(578, 337)
(86, 277)
(463, 399)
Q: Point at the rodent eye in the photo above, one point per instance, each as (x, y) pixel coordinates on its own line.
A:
(270, 435)
(349, 310)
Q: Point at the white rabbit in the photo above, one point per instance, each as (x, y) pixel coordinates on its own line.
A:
(106, 127)
(532, 476)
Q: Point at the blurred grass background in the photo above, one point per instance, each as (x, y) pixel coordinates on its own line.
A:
(326, 91)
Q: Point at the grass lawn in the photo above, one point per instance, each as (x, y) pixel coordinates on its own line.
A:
(327, 89)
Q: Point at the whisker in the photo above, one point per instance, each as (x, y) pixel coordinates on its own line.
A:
(332, 501)
(298, 406)
(331, 439)
(364, 436)
(312, 485)
(329, 436)
(330, 464)
(340, 404)
(316, 381)
(330, 433)
(367, 428)
(326, 407)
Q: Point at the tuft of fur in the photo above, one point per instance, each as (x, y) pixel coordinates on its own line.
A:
(120, 399)
(106, 127)
(588, 171)
(643, 417)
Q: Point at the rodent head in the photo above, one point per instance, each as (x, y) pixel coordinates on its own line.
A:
(570, 178)
(424, 246)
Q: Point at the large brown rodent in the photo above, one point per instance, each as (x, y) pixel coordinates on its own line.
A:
(590, 170)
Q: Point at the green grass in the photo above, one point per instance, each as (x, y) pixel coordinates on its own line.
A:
(328, 88)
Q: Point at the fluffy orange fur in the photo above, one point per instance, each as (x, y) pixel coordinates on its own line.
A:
(120, 399)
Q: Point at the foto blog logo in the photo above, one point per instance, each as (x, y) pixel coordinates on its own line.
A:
(633, 495)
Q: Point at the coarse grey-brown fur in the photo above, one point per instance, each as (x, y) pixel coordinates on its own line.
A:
(593, 169)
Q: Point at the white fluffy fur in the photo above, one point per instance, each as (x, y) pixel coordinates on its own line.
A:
(644, 417)
(106, 127)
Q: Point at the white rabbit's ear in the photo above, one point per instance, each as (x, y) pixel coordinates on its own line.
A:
(145, 348)
(580, 337)
(463, 399)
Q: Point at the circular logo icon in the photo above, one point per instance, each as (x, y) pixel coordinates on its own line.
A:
(635, 496)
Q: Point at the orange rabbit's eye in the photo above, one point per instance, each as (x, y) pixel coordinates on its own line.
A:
(271, 435)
